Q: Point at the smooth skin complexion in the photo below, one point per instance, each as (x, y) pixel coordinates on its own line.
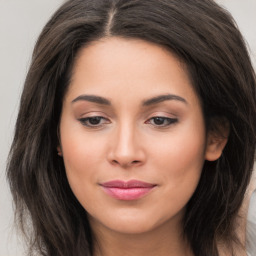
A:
(131, 114)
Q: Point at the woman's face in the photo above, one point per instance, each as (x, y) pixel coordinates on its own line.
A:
(132, 135)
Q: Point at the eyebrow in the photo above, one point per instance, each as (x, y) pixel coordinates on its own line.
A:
(148, 102)
(92, 98)
(161, 98)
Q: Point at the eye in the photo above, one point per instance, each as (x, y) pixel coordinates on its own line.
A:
(160, 121)
(94, 121)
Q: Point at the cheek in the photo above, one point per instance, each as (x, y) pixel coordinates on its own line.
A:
(181, 150)
(76, 154)
(81, 156)
(180, 169)
(80, 163)
(80, 149)
(180, 158)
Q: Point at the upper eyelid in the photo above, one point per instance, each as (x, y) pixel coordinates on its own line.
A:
(92, 114)
(162, 114)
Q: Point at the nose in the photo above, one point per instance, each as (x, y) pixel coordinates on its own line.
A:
(126, 149)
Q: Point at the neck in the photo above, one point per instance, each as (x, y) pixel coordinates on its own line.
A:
(163, 241)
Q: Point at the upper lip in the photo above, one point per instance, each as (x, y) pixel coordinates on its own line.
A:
(127, 184)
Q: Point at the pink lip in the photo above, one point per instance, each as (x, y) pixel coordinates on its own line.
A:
(127, 190)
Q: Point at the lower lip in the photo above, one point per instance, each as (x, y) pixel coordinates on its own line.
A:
(127, 193)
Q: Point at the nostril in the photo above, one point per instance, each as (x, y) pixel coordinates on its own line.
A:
(124, 163)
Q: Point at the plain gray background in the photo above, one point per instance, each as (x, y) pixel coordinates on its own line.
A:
(20, 23)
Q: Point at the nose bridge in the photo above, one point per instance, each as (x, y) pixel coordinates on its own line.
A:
(125, 139)
(126, 148)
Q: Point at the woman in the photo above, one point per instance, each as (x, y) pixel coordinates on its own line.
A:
(136, 131)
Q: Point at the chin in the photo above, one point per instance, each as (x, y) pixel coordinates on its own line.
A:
(133, 222)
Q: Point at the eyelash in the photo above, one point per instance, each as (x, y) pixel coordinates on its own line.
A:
(166, 121)
(84, 121)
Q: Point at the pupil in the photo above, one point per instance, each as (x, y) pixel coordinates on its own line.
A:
(95, 120)
(159, 120)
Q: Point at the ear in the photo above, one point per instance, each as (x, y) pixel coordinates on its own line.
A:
(217, 138)
(59, 142)
(59, 150)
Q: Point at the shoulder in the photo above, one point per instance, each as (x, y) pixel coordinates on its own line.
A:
(247, 217)
(251, 218)
(246, 223)
(249, 202)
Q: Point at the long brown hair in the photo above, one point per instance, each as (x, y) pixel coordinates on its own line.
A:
(205, 37)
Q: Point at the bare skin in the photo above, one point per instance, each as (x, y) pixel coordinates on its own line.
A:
(148, 243)
(131, 113)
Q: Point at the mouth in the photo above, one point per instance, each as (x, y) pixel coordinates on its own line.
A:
(127, 190)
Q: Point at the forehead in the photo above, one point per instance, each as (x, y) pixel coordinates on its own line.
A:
(116, 66)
